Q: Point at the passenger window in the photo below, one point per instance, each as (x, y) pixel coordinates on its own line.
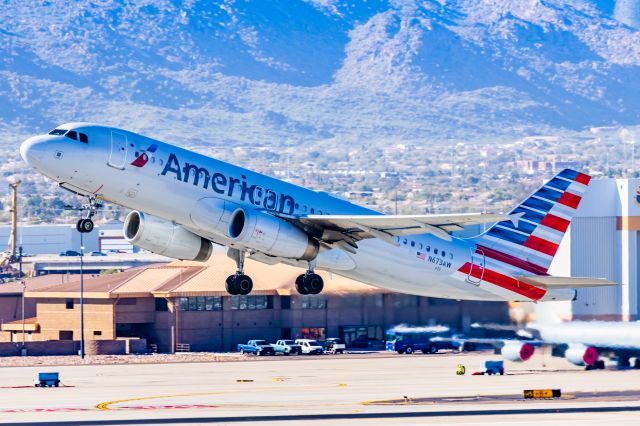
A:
(450, 255)
(428, 249)
(313, 210)
(420, 246)
(404, 241)
(435, 251)
(413, 243)
(443, 253)
(72, 135)
(84, 138)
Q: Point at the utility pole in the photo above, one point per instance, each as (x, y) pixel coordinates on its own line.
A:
(14, 217)
(24, 289)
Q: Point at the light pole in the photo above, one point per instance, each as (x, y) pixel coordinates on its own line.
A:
(81, 209)
(24, 289)
(81, 297)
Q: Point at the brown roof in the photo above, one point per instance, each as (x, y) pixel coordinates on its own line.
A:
(30, 324)
(186, 278)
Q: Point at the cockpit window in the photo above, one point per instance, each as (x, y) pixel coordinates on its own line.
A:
(72, 134)
(83, 138)
(58, 132)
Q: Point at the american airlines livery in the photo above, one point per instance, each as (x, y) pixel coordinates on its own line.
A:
(184, 202)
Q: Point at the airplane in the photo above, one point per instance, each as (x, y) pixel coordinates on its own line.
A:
(182, 202)
(580, 342)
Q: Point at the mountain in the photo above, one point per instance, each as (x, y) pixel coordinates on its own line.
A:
(309, 71)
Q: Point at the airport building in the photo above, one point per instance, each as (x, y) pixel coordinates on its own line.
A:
(184, 304)
(602, 241)
(53, 239)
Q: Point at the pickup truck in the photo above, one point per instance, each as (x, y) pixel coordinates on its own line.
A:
(287, 347)
(258, 347)
(310, 347)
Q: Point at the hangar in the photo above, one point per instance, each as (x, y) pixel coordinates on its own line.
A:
(603, 241)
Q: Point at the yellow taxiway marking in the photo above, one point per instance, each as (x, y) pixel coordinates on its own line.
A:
(105, 405)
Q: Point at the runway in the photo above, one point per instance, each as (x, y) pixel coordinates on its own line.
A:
(379, 389)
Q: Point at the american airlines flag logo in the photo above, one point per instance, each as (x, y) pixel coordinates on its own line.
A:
(421, 255)
(144, 157)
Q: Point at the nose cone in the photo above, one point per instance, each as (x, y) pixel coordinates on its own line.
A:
(32, 150)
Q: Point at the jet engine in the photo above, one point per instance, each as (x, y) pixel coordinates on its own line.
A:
(581, 354)
(271, 235)
(517, 351)
(166, 238)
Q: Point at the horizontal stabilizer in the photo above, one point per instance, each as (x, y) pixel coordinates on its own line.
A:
(550, 282)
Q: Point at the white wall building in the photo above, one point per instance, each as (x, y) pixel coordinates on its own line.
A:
(53, 239)
(602, 242)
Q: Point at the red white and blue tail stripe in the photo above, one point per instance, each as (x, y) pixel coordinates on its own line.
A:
(544, 218)
(507, 250)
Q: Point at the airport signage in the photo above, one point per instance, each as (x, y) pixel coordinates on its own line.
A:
(542, 393)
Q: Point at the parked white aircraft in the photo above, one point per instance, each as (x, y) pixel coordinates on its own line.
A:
(580, 342)
(183, 202)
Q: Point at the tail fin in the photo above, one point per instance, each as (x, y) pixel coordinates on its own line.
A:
(532, 243)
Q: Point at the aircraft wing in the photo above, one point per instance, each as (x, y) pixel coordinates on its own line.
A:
(549, 282)
(351, 228)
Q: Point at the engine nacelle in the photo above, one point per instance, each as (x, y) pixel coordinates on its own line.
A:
(166, 238)
(581, 354)
(517, 351)
(271, 235)
(213, 215)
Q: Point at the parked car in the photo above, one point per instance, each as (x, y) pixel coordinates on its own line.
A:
(310, 347)
(335, 346)
(287, 347)
(98, 253)
(258, 347)
(69, 253)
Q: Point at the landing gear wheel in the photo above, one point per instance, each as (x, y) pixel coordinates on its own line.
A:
(230, 286)
(238, 284)
(243, 284)
(300, 287)
(313, 283)
(85, 226)
(599, 364)
(409, 350)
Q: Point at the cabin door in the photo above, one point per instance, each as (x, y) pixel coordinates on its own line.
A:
(476, 270)
(118, 155)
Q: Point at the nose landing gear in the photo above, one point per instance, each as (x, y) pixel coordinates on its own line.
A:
(309, 282)
(86, 225)
(239, 283)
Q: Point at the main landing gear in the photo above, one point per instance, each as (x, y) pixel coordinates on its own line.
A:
(86, 225)
(309, 282)
(238, 284)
